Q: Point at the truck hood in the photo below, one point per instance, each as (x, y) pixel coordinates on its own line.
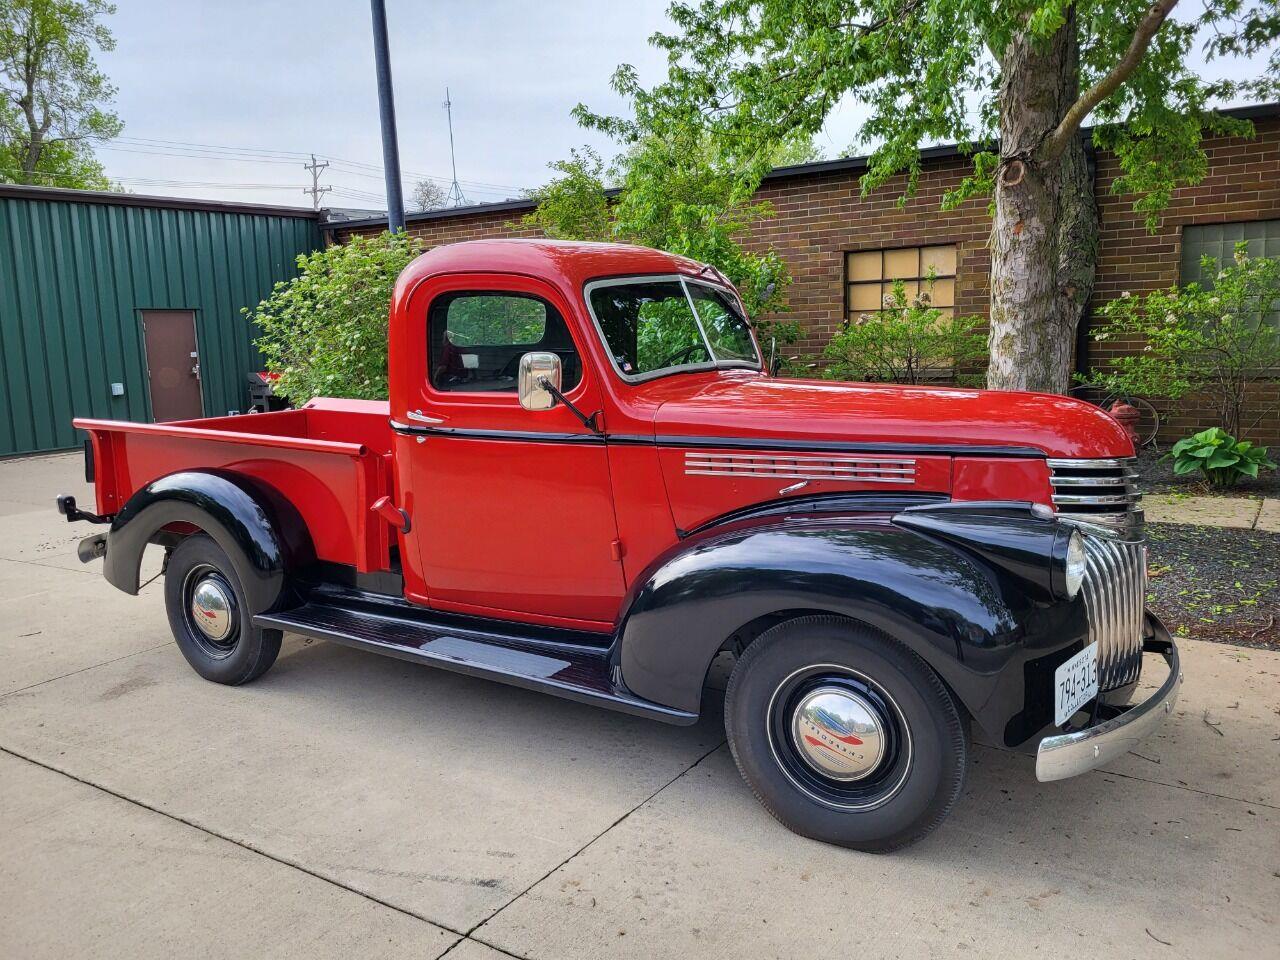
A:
(761, 408)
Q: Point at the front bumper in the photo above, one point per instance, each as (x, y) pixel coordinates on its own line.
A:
(1070, 754)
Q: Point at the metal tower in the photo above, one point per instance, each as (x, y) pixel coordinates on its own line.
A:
(455, 197)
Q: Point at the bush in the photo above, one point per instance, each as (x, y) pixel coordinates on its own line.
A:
(325, 331)
(1221, 458)
(909, 342)
(1211, 342)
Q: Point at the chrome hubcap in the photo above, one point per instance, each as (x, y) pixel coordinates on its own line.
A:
(211, 609)
(837, 732)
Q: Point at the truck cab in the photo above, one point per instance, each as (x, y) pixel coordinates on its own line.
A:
(587, 481)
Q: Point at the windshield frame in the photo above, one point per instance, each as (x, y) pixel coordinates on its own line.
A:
(684, 280)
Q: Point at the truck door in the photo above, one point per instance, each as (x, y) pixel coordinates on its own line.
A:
(513, 509)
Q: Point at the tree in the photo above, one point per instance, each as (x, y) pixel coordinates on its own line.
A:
(53, 98)
(325, 331)
(428, 195)
(680, 193)
(1011, 82)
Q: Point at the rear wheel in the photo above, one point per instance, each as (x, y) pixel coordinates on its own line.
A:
(209, 617)
(844, 734)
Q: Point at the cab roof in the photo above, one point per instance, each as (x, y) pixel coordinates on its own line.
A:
(570, 262)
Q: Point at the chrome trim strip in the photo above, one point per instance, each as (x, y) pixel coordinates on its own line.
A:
(722, 443)
(1101, 499)
(1099, 480)
(763, 466)
(1067, 463)
(814, 467)
(1070, 754)
(821, 458)
(780, 475)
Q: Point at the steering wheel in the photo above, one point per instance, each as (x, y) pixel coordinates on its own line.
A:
(680, 356)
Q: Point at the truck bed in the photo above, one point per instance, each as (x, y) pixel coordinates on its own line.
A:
(333, 457)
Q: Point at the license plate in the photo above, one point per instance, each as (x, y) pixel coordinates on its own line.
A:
(1075, 683)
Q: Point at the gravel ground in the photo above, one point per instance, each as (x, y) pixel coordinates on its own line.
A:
(1157, 476)
(1216, 583)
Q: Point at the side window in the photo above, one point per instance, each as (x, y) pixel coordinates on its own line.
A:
(475, 340)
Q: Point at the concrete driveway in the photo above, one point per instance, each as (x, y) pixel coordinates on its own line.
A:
(348, 804)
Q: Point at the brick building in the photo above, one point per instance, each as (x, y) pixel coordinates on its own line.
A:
(841, 247)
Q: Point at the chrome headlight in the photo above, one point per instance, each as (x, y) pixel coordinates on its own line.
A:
(1074, 565)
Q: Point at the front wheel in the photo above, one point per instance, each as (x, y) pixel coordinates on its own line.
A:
(845, 735)
(210, 617)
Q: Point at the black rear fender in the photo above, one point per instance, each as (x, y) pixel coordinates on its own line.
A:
(973, 622)
(256, 528)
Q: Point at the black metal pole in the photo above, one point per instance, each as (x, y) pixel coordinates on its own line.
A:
(387, 113)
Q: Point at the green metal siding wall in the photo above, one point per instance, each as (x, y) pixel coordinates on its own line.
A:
(74, 278)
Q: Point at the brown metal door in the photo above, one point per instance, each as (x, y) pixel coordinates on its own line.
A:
(173, 364)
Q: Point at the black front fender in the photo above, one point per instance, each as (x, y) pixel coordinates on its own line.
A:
(976, 624)
(257, 531)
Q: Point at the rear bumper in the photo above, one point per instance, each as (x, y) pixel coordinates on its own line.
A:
(1069, 754)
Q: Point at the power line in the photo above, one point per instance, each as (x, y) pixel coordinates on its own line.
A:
(177, 153)
(283, 156)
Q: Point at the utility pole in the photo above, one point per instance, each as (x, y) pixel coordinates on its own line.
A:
(387, 114)
(455, 190)
(316, 191)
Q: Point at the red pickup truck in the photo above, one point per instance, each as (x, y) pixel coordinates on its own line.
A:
(588, 482)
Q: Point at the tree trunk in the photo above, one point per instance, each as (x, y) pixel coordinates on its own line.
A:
(1044, 238)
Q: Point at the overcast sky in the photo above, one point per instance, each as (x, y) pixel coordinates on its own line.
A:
(299, 77)
(254, 84)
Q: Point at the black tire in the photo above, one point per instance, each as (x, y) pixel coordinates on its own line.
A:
(244, 652)
(920, 737)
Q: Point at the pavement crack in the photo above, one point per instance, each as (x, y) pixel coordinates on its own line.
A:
(51, 566)
(645, 802)
(1160, 783)
(1190, 789)
(245, 845)
(92, 666)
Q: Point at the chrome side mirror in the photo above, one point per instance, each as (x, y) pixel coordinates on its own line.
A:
(534, 369)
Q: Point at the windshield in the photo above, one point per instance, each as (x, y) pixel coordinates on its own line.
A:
(661, 325)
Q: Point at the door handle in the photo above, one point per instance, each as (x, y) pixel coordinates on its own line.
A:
(419, 417)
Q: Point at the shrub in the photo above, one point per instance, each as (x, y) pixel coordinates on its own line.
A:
(908, 342)
(325, 331)
(1221, 458)
(1212, 342)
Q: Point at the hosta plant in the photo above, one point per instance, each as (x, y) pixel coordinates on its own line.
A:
(1220, 457)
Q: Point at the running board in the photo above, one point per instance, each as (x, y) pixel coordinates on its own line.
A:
(561, 670)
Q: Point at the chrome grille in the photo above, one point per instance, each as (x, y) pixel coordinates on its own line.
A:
(1097, 491)
(800, 467)
(1115, 589)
